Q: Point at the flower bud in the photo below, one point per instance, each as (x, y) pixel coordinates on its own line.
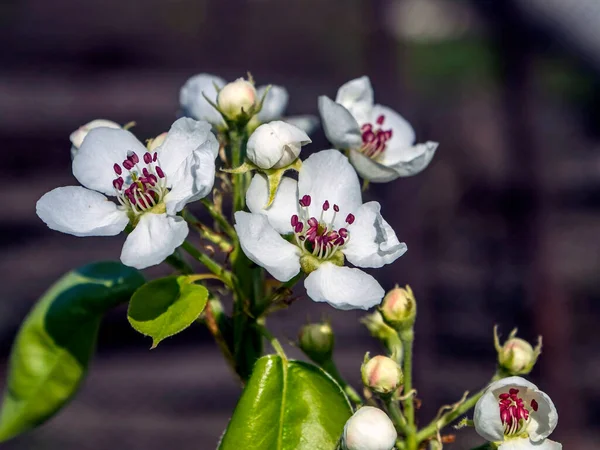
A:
(80, 133)
(399, 308)
(237, 98)
(369, 429)
(516, 356)
(153, 144)
(316, 340)
(381, 374)
(275, 145)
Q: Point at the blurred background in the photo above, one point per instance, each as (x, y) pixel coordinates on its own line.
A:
(502, 228)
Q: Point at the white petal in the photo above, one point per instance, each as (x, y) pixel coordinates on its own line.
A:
(284, 206)
(517, 444)
(417, 158)
(80, 133)
(78, 211)
(327, 175)
(306, 123)
(264, 246)
(193, 102)
(102, 148)
(343, 287)
(195, 177)
(403, 134)
(357, 97)
(373, 242)
(547, 444)
(544, 420)
(275, 103)
(487, 417)
(339, 126)
(275, 144)
(155, 237)
(516, 382)
(370, 169)
(184, 137)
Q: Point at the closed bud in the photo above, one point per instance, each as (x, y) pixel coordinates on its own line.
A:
(516, 356)
(80, 133)
(275, 145)
(369, 429)
(399, 308)
(381, 374)
(316, 340)
(237, 98)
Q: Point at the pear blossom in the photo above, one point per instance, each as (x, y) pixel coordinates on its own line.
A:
(195, 105)
(369, 429)
(275, 145)
(80, 133)
(380, 143)
(150, 188)
(515, 415)
(237, 98)
(324, 222)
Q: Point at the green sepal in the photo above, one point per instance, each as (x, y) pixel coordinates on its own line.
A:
(166, 306)
(287, 405)
(53, 348)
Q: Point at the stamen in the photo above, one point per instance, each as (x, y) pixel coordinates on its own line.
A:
(147, 158)
(350, 219)
(513, 413)
(325, 205)
(117, 169)
(374, 139)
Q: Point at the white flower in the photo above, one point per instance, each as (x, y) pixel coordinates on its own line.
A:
(515, 415)
(380, 142)
(327, 222)
(150, 187)
(275, 145)
(273, 108)
(80, 133)
(369, 429)
(237, 98)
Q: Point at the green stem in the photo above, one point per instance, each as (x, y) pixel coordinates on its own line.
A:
(396, 416)
(451, 416)
(272, 340)
(207, 233)
(178, 263)
(219, 218)
(330, 367)
(210, 264)
(237, 141)
(407, 338)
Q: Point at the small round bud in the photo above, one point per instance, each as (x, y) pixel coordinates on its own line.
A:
(516, 356)
(80, 133)
(382, 375)
(316, 340)
(237, 98)
(399, 308)
(369, 429)
(275, 145)
(153, 144)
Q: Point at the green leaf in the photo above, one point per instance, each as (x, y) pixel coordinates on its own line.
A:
(53, 348)
(287, 405)
(167, 306)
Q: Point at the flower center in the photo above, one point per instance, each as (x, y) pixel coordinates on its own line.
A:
(514, 414)
(374, 138)
(319, 238)
(140, 185)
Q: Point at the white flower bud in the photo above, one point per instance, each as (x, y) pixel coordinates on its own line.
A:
(516, 356)
(236, 98)
(80, 133)
(399, 308)
(369, 429)
(275, 145)
(382, 375)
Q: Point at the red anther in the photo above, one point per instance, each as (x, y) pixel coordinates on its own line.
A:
(534, 405)
(298, 227)
(118, 169)
(145, 171)
(326, 205)
(313, 223)
(366, 127)
(133, 157)
(513, 391)
(343, 232)
(294, 220)
(128, 164)
(160, 172)
(368, 137)
(154, 157)
(380, 120)
(339, 241)
(305, 200)
(350, 219)
(503, 396)
(336, 208)
(118, 183)
(147, 158)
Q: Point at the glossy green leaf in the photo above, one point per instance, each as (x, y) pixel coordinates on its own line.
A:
(56, 341)
(167, 306)
(287, 405)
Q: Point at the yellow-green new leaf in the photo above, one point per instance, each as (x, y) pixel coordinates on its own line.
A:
(167, 306)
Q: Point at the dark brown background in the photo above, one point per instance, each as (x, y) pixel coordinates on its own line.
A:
(502, 228)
